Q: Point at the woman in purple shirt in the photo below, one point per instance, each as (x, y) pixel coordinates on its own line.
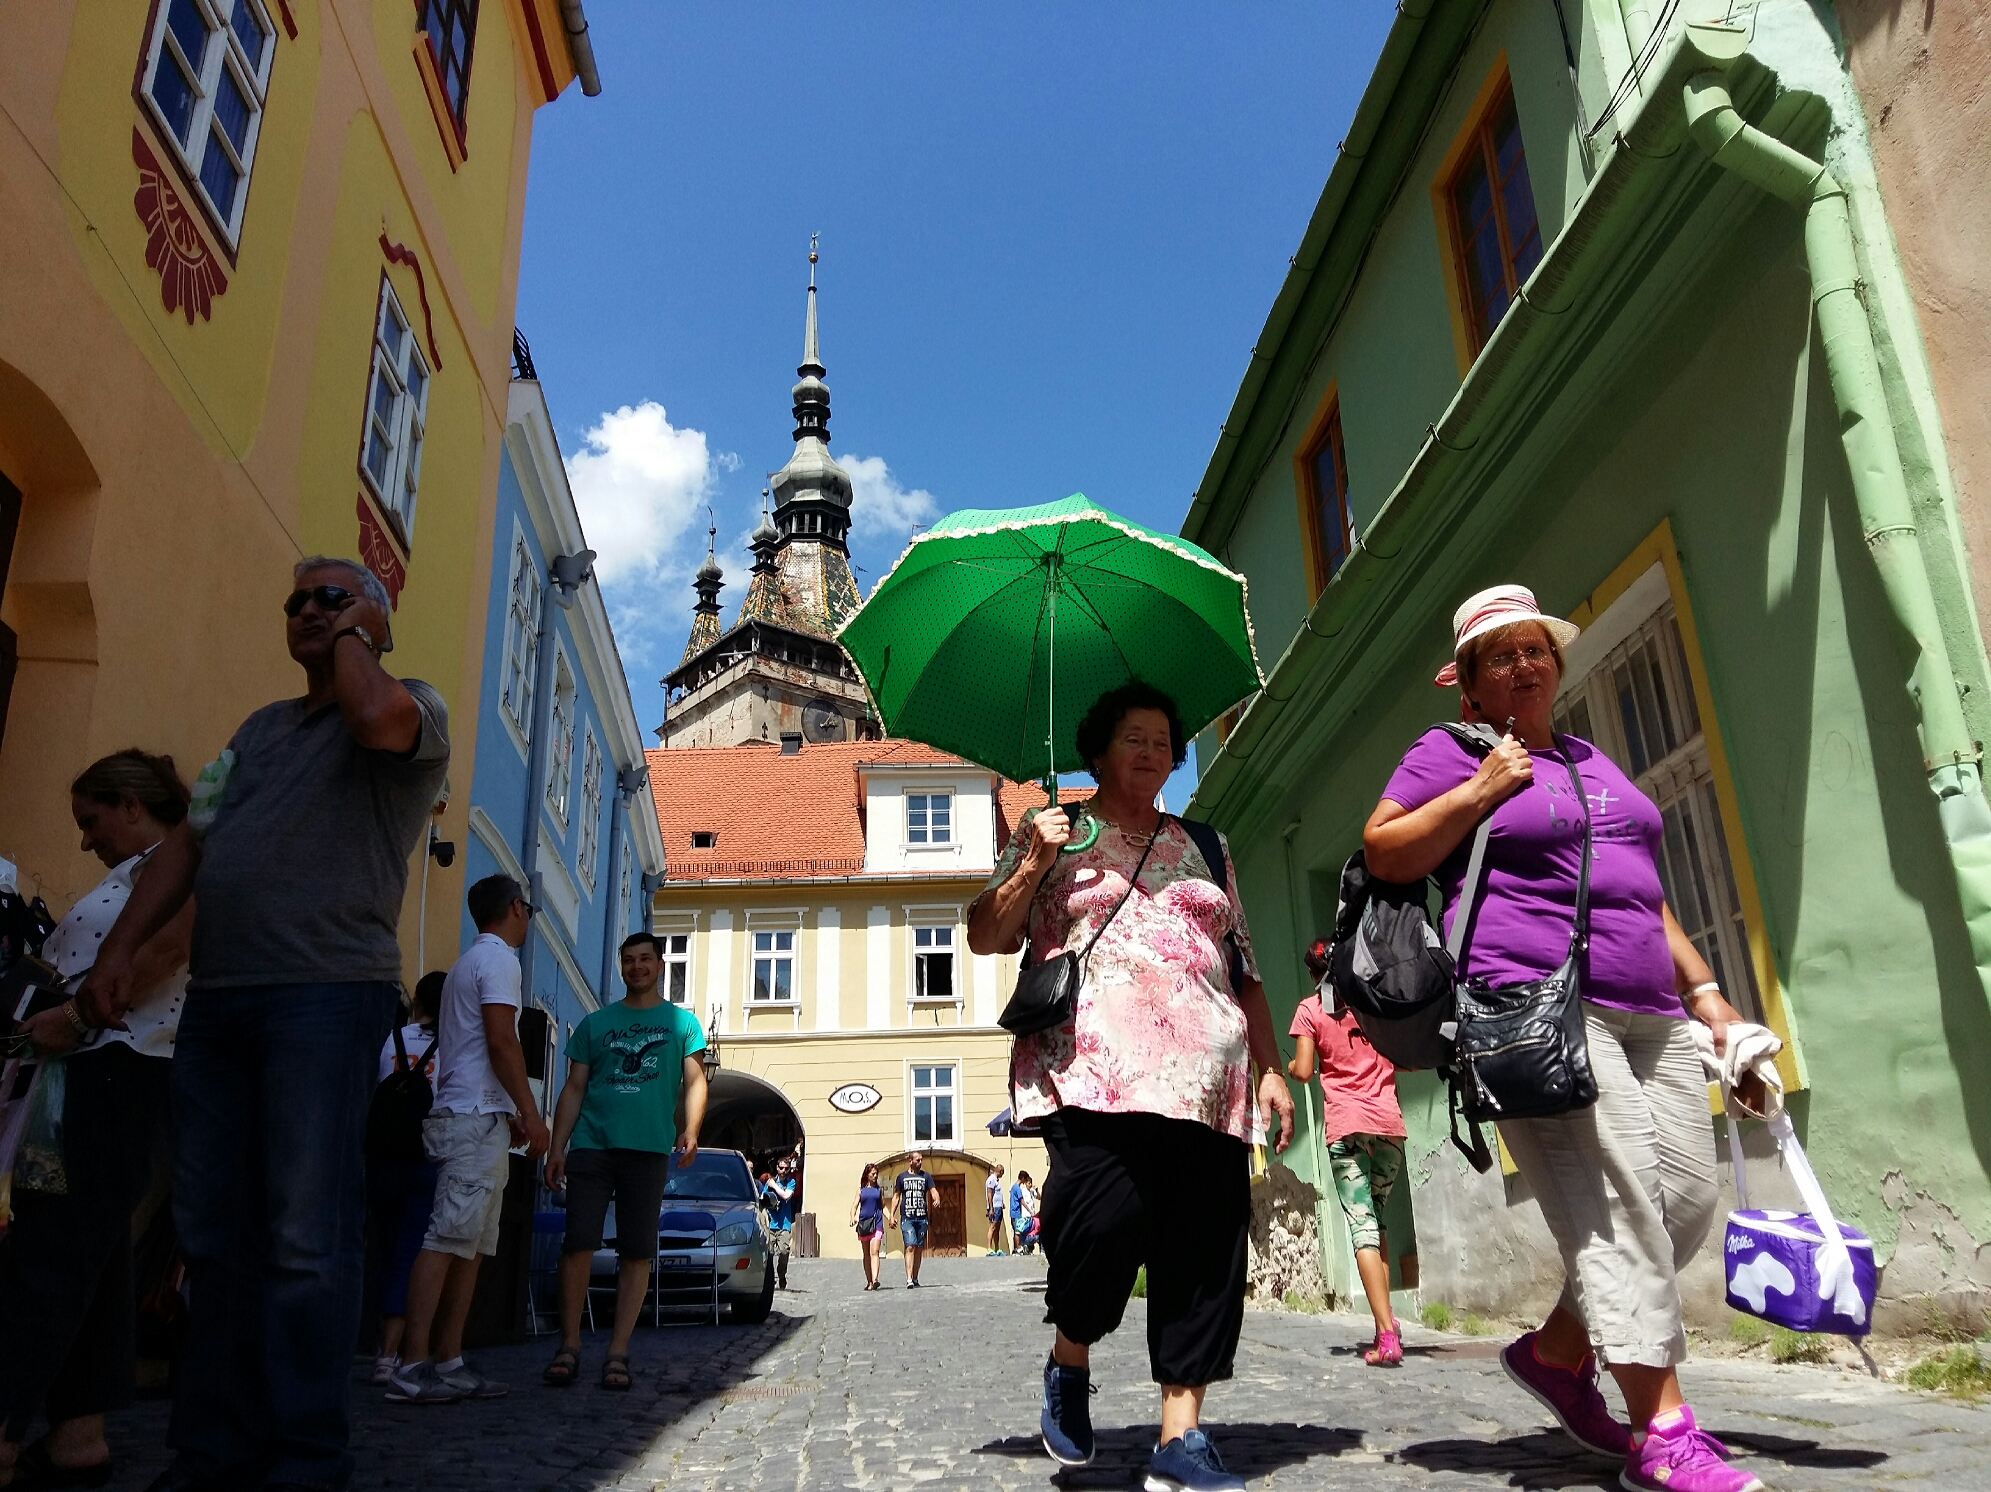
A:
(1628, 1185)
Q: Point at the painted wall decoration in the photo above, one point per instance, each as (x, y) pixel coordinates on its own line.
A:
(377, 549)
(855, 1098)
(190, 276)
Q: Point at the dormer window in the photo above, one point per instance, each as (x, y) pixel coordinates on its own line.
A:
(929, 818)
(704, 839)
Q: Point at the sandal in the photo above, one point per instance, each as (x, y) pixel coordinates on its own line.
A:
(563, 1370)
(1388, 1351)
(615, 1375)
(35, 1468)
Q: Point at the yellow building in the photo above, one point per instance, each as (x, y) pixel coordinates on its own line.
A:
(814, 915)
(256, 296)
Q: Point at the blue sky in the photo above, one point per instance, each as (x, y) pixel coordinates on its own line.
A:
(1050, 235)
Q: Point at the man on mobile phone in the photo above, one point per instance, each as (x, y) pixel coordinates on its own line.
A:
(296, 850)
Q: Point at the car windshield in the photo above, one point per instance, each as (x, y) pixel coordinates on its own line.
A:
(722, 1177)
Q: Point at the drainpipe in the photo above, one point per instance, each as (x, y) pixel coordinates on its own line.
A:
(628, 783)
(565, 577)
(1887, 519)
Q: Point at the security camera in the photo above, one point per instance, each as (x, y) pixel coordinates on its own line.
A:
(442, 851)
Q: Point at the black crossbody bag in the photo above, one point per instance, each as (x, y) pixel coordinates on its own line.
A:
(1047, 993)
(1521, 1051)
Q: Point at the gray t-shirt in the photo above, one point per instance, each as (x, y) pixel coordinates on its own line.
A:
(303, 872)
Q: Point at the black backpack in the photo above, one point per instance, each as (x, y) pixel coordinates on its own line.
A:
(1386, 962)
(400, 1103)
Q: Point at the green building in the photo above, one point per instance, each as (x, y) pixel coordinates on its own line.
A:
(1605, 299)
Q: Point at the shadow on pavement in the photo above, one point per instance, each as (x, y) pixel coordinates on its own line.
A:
(1250, 1449)
(1800, 1452)
(573, 1439)
(1546, 1460)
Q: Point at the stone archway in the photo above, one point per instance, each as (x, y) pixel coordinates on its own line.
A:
(751, 1115)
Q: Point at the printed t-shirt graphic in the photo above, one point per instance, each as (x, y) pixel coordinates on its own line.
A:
(912, 1187)
(635, 1060)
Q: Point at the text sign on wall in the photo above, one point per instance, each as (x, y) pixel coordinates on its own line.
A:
(854, 1098)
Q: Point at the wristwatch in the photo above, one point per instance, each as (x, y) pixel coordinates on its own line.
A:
(361, 633)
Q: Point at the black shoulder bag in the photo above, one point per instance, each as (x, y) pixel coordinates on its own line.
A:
(1047, 993)
(1521, 1051)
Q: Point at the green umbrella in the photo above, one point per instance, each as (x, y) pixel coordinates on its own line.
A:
(998, 628)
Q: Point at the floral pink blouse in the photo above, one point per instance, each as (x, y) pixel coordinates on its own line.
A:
(1157, 1030)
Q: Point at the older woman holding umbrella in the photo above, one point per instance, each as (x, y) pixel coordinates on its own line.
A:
(1144, 1085)
(1146, 1093)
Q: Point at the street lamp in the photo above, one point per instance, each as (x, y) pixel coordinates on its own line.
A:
(709, 1058)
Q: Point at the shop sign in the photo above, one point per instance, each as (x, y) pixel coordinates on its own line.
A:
(855, 1098)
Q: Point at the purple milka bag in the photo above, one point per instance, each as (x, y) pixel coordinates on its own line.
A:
(1802, 1270)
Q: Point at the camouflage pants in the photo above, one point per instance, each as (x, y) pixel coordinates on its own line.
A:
(1365, 1171)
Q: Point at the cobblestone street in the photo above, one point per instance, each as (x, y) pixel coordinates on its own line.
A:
(841, 1389)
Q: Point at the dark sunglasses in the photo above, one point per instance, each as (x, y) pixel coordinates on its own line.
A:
(328, 597)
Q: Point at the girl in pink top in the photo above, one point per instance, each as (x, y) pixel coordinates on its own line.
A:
(1364, 1131)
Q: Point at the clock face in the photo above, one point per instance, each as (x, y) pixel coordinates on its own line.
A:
(821, 722)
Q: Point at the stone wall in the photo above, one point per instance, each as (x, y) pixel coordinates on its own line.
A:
(1285, 1243)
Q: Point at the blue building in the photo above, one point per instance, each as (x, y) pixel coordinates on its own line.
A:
(560, 795)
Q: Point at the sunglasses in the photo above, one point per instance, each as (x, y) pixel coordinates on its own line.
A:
(327, 597)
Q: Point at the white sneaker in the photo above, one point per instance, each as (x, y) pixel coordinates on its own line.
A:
(383, 1370)
(420, 1383)
(474, 1384)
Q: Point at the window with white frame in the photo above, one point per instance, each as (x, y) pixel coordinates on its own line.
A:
(774, 968)
(590, 850)
(933, 963)
(935, 1090)
(929, 818)
(207, 69)
(676, 983)
(1636, 704)
(397, 405)
(560, 770)
(521, 636)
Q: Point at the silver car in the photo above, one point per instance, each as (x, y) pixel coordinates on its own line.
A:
(711, 1229)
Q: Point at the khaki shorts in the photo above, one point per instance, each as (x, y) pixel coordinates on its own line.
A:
(472, 1162)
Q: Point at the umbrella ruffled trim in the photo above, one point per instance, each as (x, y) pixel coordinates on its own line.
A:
(1095, 515)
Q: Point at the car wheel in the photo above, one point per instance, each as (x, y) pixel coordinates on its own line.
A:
(753, 1312)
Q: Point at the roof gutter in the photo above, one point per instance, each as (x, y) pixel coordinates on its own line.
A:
(1378, 99)
(1414, 517)
(1880, 490)
(579, 47)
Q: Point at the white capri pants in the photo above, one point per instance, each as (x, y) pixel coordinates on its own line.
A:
(1627, 1186)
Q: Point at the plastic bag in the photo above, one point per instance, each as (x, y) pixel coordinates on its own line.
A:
(38, 1163)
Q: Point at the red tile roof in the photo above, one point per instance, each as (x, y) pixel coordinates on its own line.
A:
(1013, 798)
(774, 817)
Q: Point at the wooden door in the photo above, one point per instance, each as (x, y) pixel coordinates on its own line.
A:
(947, 1202)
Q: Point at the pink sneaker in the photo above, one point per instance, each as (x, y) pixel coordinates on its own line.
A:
(1570, 1394)
(1388, 1351)
(1677, 1455)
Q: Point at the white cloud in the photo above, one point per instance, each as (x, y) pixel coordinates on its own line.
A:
(727, 460)
(879, 506)
(640, 483)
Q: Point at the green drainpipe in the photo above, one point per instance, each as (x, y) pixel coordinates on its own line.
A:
(1866, 429)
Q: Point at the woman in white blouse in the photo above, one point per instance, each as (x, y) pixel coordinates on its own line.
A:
(66, 1298)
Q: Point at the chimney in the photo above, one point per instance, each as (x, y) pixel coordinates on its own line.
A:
(791, 743)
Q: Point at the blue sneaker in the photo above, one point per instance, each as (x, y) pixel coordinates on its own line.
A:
(1067, 1418)
(1190, 1463)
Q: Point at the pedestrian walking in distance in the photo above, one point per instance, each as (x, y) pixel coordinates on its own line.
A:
(1145, 1090)
(778, 1197)
(613, 1133)
(1627, 1185)
(1362, 1128)
(400, 1177)
(67, 1305)
(993, 1209)
(912, 1211)
(484, 1105)
(1024, 1209)
(296, 852)
(867, 1216)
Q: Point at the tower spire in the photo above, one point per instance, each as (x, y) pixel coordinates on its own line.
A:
(811, 360)
(708, 582)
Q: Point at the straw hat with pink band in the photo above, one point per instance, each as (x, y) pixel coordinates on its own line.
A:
(1496, 607)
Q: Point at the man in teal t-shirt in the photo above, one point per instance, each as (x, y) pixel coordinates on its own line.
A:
(613, 1132)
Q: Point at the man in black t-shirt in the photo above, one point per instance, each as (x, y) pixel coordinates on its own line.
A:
(911, 1193)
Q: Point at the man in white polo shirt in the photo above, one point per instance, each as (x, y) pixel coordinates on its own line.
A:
(483, 1106)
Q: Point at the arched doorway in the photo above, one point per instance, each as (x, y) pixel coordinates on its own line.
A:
(752, 1116)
